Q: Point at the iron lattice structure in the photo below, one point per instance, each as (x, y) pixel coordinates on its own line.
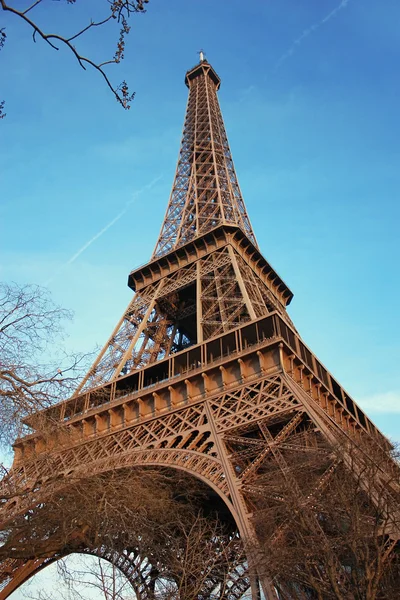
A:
(204, 373)
(185, 294)
(206, 191)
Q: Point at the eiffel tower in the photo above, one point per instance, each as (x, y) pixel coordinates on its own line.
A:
(205, 371)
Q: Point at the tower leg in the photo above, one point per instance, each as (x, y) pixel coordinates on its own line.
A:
(244, 523)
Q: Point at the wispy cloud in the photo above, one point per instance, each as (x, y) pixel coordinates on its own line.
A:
(388, 402)
(85, 246)
(310, 30)
(245, 93)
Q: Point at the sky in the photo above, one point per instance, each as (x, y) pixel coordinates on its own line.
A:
(309, 94)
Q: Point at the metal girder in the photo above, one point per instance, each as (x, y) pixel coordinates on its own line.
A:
(205, 192)
(226, 292)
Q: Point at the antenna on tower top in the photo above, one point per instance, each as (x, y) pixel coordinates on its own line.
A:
(201, 53)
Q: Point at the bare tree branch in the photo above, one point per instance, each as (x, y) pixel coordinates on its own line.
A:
(334, 533)
(120, 10)
(31, 326)
(153, 519)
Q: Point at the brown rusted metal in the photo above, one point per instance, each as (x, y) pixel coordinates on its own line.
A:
(204, 372)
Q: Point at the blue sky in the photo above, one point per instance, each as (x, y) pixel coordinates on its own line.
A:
(310, 96)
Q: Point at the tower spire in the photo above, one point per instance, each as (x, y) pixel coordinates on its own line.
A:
(205, 192)
(206, 276)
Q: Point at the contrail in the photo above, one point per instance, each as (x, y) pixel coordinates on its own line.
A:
(114, 220)
(73, 258)
(309, 31)
(94, 238)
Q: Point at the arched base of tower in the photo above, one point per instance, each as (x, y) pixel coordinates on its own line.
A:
(209, 539)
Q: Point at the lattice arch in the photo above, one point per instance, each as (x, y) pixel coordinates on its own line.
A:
(129, 565)
(137, 569)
